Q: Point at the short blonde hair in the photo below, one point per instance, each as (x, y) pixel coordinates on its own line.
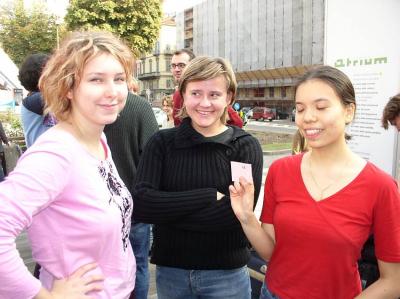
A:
(204, 68)
(64, 70)
(169, 101)
(299, 144)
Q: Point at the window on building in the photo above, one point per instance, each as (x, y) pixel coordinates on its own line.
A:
(169, 83)
(138, 69)
(157, 48)
(167, 64)
(150, 66)
(283, 91)
(142, 66)
(271, 92)
(157, 65)
(258, 92)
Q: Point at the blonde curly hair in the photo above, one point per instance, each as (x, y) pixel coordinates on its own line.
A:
(64, 70)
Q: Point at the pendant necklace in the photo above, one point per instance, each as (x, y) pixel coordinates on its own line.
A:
(323, 189)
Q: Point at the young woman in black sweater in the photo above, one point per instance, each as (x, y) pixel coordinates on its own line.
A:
(182, 187)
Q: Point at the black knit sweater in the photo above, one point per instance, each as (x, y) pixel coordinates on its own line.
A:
(178, 177)
(128, 135)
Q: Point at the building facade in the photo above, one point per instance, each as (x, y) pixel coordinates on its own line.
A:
(153, 70)
(269, 43)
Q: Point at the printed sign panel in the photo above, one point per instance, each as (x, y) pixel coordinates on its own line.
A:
(361, 39)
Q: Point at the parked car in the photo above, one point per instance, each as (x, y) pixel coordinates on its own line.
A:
(280, 114)
(263, 113)
(161, 116)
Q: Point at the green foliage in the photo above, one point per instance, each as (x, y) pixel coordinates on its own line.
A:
(276, 146)
(25, 32)
(136, 21)
(12, 124)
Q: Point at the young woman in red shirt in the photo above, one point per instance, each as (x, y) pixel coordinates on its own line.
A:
(321, 206)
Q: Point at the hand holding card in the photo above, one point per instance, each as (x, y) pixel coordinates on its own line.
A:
(239, 169)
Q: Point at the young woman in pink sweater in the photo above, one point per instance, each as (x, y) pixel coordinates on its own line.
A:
(65, 190)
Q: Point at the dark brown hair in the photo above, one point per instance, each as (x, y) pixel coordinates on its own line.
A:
(391, 111)
(185, 51)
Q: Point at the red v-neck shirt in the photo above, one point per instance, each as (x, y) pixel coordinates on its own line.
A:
(318, 243)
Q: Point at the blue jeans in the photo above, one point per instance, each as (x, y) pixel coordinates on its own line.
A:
(265, 293)
(176, 283)
(140, 240)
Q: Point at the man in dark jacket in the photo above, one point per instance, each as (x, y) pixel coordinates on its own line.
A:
(126, 138)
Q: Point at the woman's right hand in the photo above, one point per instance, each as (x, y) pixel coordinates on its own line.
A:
(242, 199)
(77, 285)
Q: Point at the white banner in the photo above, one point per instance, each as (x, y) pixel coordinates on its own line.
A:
(362, 39)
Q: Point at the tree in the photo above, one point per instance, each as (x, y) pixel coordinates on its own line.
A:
(136, 21)
(25, 32)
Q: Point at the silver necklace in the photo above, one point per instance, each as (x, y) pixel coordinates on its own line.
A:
(323, 189)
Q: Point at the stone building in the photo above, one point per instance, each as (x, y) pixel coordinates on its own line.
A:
(269, 43)
(153, 70)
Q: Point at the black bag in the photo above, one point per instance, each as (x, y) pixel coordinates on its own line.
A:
(368, 265)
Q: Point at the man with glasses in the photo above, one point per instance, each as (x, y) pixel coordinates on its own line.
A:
(178, 63)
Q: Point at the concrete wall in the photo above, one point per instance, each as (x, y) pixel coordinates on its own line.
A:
(180, 33)
(259, 34)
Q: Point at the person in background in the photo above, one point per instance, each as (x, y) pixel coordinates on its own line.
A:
(179, 61)
(134, 86)
(168, 107)
(368, 264)
(391, 113)
(65, 190)
(182, 187)
(320, 218)
(241, 114)
(3, 139)
(127, 137)
(34, 121)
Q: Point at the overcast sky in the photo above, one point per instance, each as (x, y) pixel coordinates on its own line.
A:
(172, 6)
(169, 6)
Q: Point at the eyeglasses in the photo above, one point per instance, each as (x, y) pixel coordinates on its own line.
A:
(179, 65)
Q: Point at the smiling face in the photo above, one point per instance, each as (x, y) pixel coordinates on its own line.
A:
(101, 93)
(205, 102)
(320, 114)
